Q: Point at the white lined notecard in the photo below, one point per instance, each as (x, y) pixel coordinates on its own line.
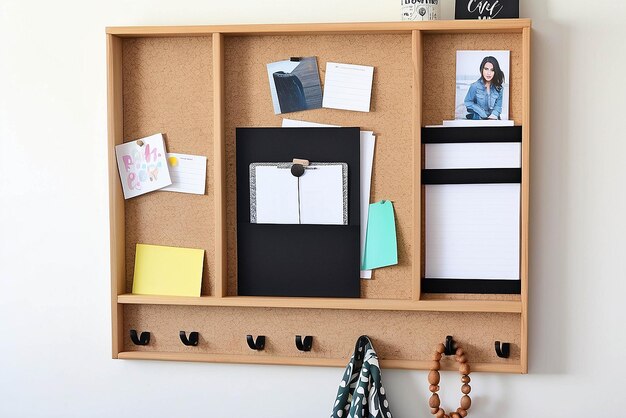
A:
(188, 173)
(348, 87)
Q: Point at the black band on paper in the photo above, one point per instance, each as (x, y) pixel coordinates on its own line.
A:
(445, 135)
(511, 287)
(472, 176)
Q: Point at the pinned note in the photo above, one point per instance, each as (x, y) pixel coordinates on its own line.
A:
(381, 246)
(142, 165)
(169, 271)
(348, 87)
(188, 173)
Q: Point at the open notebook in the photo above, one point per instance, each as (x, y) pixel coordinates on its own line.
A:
(317, 197)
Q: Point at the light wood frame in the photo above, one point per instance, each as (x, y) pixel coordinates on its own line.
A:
(460, 304)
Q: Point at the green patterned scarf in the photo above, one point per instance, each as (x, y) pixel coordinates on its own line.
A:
(361, 393)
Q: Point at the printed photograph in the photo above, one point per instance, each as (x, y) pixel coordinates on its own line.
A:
(295, 85)
(482, 85)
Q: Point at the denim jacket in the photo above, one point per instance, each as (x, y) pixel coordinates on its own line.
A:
(482, 103)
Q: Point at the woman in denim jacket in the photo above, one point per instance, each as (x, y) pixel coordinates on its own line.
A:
(484, 97)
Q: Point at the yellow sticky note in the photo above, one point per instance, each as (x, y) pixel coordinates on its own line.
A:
(170, 271)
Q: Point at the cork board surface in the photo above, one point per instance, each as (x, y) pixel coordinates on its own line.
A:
(396, 335)
(168, 88)
(248, 103)
(440, 71)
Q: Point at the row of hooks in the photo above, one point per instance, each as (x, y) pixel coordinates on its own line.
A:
(258, 344)
(503, 350)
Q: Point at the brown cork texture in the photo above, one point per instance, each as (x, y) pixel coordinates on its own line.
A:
(248, 103)
(439, 71)
(396, 335)
(168, 88)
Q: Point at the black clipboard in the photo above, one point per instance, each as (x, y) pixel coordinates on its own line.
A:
(298, 260)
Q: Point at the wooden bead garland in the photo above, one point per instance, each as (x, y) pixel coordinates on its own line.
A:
(434, 377)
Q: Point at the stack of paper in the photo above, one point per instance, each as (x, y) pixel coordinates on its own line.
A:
(368, 142)
(472, 230)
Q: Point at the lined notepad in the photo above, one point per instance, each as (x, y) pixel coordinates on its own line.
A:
(472, 231)
(473, 155)
(318, 197)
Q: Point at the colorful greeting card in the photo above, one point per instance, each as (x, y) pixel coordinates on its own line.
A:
(142, 165)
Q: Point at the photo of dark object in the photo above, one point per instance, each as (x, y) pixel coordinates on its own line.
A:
(290, 92)
(295, 84)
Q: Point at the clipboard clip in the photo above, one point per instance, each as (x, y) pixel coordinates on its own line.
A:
(295, 59)
(298, 167)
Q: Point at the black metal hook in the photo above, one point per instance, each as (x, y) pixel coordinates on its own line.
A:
(306, 345)
(503, 350)
(258, 345)
(450, 346)
(192, 340)
(143, 339)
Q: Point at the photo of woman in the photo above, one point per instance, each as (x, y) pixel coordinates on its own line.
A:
(486, 97)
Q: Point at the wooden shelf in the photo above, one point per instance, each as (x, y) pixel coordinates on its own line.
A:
(330, 303)
(302, 360)
(444, 26)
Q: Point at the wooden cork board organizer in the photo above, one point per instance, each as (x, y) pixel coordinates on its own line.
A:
(196, 85)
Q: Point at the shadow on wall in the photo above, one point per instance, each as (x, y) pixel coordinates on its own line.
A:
(549, 270)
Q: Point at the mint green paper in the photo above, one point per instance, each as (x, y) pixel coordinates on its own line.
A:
(381, 246)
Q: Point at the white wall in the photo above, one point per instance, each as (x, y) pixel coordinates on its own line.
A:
(54, 274)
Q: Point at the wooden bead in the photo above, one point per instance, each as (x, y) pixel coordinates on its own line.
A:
(466, 389)
(434, 410)
(437, 356)
(454, 415)
(462, 412)
(433, 389)
(435, 365)
(446, 416)
(465, 379)
(434, 401)
(459, 352)
(440, 413)
(462, 359)
(464, 368)
(466, 402)
(441, 348)
(434, 377)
